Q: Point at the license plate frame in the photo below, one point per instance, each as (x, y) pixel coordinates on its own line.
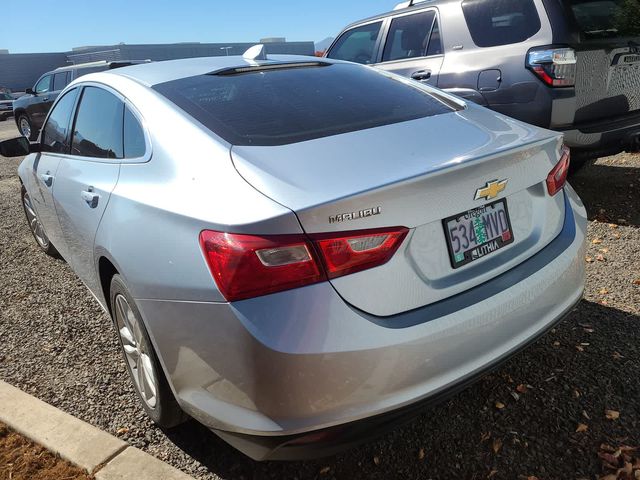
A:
(481, 250)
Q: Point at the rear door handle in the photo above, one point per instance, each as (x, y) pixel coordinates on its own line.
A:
(47, 179)
(91, 197)
(421, 75)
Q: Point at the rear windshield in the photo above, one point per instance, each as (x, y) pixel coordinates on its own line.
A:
(607, 18)
(288, 105)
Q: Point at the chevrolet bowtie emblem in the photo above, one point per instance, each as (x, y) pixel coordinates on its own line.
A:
(491, 190)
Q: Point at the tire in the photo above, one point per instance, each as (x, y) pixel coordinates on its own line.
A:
(141, 360)
(26, 127)
(37, 230)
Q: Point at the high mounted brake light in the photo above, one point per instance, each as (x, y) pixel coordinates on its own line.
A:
(246, 266)
(556, 67)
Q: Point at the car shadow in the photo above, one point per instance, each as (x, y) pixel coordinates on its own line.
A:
(455, 438)
(611, 193)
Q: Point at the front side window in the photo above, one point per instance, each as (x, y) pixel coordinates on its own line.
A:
(607, 18)
(55, 134)
(288, 105)
(357, 45)
(44, 85)
(5, 96)
(500, 22)
(98, 127)
(409, 36)
(59, 81)
(134, 144)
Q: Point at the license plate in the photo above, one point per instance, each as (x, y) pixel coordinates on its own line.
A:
(631, 59)
(476, 233)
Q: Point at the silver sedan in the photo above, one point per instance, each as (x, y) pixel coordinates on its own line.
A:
(300, 252)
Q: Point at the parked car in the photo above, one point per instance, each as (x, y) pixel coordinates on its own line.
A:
(31, 109)
(6, 105)
(572, 66)
(301, 252)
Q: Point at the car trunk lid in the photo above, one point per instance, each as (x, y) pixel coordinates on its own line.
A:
(415, 174)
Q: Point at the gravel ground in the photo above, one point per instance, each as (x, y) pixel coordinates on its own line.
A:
(59, 346)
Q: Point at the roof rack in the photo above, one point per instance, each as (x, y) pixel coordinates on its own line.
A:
(409, 3)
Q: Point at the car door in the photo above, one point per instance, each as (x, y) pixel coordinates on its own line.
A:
(55, 142)
(41, 101)
(87, 176)
(413, 47)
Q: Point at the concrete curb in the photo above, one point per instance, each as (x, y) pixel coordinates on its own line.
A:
(98, 452)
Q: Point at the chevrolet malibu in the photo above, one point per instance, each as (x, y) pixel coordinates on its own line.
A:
(298, 252)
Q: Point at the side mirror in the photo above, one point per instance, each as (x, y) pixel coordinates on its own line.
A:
(18, 147)
(29, 91)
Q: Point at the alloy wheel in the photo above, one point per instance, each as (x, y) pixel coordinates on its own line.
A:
(25, 127)
(34, 223)
(137, 352)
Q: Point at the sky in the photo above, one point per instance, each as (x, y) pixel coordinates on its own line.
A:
(57, 26)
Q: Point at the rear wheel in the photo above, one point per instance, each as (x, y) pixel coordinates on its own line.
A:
(36, 227)
(25, 127)
(142, 362)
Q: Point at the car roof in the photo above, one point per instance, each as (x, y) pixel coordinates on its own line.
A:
(154, 73)
(416, 7)
(101, 63)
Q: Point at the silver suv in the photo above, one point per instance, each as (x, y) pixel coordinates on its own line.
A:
(568, 65)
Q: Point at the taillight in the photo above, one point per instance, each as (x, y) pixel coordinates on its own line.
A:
(556, 67)
(355, 251)
(558, 176)
(246, 266)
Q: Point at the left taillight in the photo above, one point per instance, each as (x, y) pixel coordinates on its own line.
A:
(556, 67)
(558, 175)
(246, 266)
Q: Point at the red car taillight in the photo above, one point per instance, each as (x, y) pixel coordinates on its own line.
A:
(556, 67)
(558, 176)
(355, 251)
(246, 266)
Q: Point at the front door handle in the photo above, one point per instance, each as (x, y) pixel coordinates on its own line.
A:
(91, 197)
(47, 179)
(421, 75)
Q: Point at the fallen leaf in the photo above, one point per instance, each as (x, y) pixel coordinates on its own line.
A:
(596, 241)
(582, 428)
(576, 393)
(617, 356)
(122, 431)
(607, 448)
(324, 470)
(485, 437)
(613, 226)
(500, 405)
(556, 344)
(497, 445)
(376, 460)
(589, 259)
(492, 473)
(532, 477)
(612, 414)
(586, 415)
(515, 396)
(600, 258)
(589, 330)
(611, 476)
(604, 250)
(522, 388)
(580, 348)
(604, 291)
(636, 281)
(421, 454)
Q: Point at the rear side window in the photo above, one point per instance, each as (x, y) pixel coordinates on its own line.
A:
(409, 36)
(288, 105)
(607, 18)
(500, 22)
(55, 134)
(134, 145)
(357, 45)
(98, 128)
(59, 81)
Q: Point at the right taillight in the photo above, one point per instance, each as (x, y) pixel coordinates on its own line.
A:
(556, 67)
(558, 175)
(246, 266)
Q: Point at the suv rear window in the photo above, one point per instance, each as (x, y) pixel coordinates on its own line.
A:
(607, 18)
(500, 22)
(277, 106)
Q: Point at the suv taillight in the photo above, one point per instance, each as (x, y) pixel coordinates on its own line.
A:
(558, 175)
(246, 266)
(556, 67)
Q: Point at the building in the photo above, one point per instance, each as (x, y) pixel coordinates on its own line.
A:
(19, 71)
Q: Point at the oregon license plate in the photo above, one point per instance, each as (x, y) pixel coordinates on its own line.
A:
(476, 233)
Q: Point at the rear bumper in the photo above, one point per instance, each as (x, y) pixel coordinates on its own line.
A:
(287, 375)
(606, 137)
